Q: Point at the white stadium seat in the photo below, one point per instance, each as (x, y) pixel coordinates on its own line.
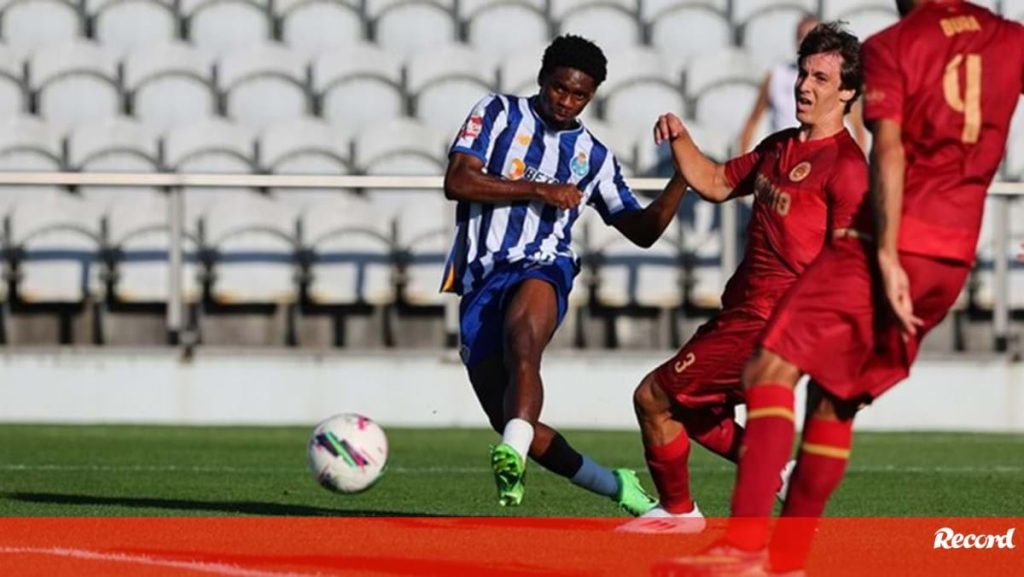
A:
(124, 26)
(517, 73)
(769, 27)
(263, 84)
(358, 86)
(59, 234)
(75, 82)
(311, 27)
(641, 85)
(489, 22)
(407, 27)
(305, 146)
(446, 83)
(32, 24)
(217, 26)
(723, 88)
(113, 145)
(612, 24)
(27, 143)
(687, 29)
(169, 85)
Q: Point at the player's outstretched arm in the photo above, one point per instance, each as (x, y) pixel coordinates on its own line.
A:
(466, 180)
(705, 176)
(643, 228)
(888, 162)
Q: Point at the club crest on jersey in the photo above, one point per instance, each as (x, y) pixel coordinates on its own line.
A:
(800, 171)
(579, 165)
(518, 168)
(473, 127)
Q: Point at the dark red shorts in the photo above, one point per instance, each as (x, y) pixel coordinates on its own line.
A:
(835, 324)
(707, 370)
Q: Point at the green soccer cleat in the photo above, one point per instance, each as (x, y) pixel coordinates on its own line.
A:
(509, 471)
(631, 496)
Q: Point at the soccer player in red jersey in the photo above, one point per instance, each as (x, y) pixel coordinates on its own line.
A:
(809, 185)
(941, 86)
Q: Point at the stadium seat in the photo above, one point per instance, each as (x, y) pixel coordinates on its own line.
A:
(59, 236)
(768, 27)
(305, 146)
(722, 89)
(113, 145)
(702, 247)
(253, 237)
(686, 28)
(210, 146)
(487, 23)
(401, 147)
(13, 90)
(611, 24)
(75, 82)
(407, 27)
(1013, 9)
(445, 84)
(863, 18)
(138, 229)
(311, 27)
(653, 159)
(628, 275)
(27, 143)
(263, 84)
(218, 26)
(168, 85)
(517, 74)
(353, 250)
(29, 25)
(125, 26)
(358, 87)
(641, 85)
(424, 230)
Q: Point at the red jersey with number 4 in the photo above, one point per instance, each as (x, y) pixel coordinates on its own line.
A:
(950, 73)
(803, 191)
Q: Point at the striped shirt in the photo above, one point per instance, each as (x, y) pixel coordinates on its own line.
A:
(513, 142)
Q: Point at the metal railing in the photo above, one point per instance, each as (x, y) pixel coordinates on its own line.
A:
(1003, 192)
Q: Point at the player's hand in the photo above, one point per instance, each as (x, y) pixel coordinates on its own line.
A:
(897, 292)
(564, 196)
(668, 128)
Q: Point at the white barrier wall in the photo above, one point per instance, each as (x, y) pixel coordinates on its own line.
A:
(587, 390)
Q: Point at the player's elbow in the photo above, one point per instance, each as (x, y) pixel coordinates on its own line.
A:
(454, 187)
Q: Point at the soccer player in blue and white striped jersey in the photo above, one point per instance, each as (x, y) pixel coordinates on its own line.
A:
(522, 170)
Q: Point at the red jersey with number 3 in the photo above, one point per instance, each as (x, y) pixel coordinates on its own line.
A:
(803, 191)
(950, 73)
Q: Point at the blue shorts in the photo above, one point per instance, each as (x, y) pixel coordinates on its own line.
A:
(482, 312)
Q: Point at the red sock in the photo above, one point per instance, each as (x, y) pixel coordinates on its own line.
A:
(669, 465)
(820, 467)
(716, 430)
(766, 447)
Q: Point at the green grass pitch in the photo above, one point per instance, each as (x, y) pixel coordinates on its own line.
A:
(212, 471)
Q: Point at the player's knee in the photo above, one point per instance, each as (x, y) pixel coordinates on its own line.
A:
(648, 399)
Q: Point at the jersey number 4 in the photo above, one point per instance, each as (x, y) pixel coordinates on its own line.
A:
(968, 103)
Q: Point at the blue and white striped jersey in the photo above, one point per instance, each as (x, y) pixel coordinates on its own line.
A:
(512, 140)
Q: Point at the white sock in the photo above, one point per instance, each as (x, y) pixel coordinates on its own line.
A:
(519, 434)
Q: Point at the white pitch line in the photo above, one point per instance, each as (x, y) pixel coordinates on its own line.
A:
(200, 566)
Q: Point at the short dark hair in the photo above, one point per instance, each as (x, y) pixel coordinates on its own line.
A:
(574, 52)
(832, 37)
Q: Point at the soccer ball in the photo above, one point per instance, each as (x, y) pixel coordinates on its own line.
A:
(347, 453)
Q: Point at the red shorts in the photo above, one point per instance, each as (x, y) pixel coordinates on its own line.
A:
(707, 370)
(836, 326)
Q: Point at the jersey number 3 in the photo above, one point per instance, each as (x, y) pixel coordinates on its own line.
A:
(969, 103)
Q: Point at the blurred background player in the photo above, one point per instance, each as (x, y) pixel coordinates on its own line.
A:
(809, 184)
(521, 170)
(776, 98)
(941, 88)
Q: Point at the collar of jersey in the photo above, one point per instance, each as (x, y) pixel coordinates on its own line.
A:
(532, 103)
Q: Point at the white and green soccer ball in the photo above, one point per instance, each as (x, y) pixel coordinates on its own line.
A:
(347, 453)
